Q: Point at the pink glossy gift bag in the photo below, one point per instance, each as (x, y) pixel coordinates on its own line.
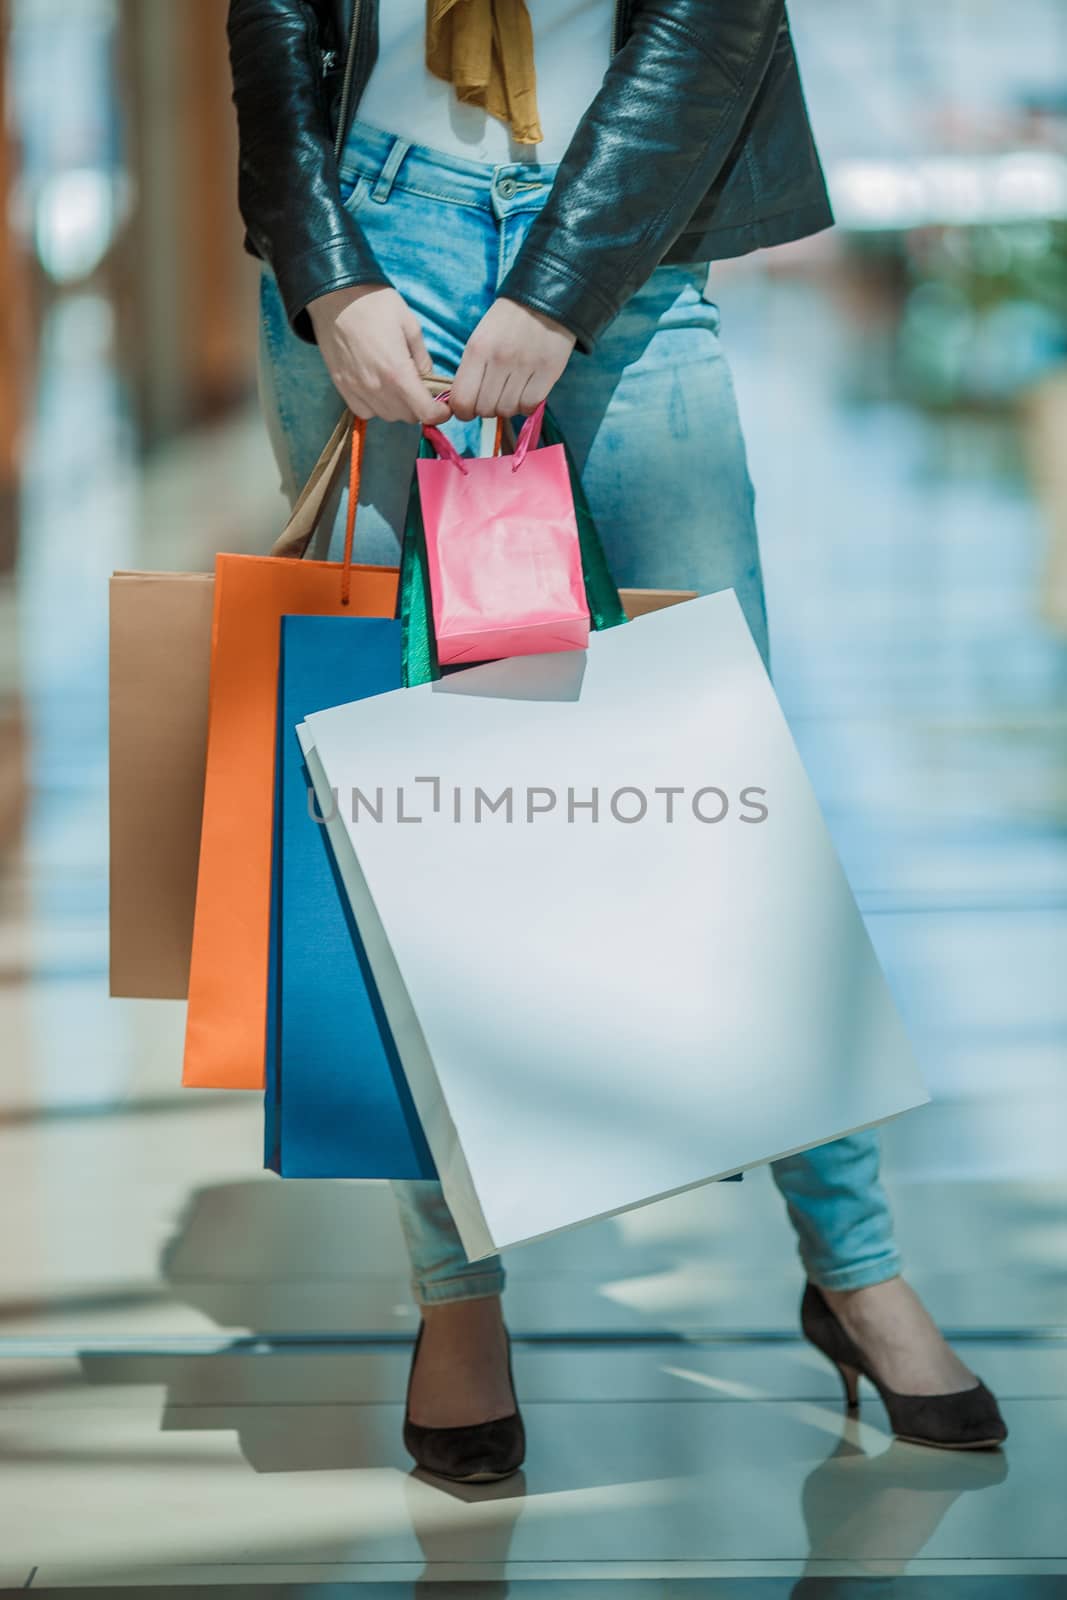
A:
(502, 549)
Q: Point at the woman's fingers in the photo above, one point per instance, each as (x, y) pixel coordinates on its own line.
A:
(510, 401)
(416, 343)
(534, 390)
(426, 406)
(413, 395)
(374, 350)
(513, 355)
(464, 395)
(376, 354)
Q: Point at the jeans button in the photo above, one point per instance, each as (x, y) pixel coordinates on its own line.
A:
(506, 188)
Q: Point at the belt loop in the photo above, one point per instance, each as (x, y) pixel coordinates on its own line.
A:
(383, 188)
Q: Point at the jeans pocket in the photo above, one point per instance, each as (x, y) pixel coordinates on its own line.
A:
(355, 187)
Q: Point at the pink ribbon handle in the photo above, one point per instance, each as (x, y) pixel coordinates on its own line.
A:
(528, 440)
(444, 447)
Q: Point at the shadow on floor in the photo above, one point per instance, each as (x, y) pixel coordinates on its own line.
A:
(863, 1503)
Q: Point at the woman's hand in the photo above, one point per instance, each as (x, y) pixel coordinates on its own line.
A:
(375, 354)
(512, 359)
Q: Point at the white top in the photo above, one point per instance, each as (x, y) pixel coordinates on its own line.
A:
(572, 48)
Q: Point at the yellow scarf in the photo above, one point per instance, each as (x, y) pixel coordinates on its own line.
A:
(484, 48)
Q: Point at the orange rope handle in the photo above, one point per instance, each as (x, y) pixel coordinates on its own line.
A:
(359, 429)
(498, 443)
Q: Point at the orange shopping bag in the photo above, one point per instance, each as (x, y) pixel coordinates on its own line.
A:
(225, 1031)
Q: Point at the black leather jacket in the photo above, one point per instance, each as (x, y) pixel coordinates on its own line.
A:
(696, 147)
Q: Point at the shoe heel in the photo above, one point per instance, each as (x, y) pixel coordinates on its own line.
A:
(969, 1420)
(851, 1380)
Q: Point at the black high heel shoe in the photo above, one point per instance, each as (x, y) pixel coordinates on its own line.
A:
(967, 1420)
(481, 1453)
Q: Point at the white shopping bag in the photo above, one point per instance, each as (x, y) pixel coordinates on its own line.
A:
(615, 946)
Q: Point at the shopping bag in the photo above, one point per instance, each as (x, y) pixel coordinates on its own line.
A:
(634, 963)
(502, 550)
(337, 1104)
(225, 1030)
(160, 653)
(160, 662)
(607, 606)
(160, 658)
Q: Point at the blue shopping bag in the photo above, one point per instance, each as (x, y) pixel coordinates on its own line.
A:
(337, 1103)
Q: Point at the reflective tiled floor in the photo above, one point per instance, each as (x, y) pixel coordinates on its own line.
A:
(202, 1368)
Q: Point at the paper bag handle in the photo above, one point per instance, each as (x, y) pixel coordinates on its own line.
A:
(528, 439)
(293, 541)
(346, 438)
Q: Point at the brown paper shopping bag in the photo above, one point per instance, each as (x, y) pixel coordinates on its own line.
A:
(159, 673)
(160, 659)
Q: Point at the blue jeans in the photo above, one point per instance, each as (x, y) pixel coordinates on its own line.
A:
(652, 421)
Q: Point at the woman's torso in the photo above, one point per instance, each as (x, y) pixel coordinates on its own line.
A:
(572, 48)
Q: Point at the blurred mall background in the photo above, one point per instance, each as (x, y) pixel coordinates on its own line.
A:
(201, 1369)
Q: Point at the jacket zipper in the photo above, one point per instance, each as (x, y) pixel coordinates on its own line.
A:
(346, 86)
(615, 21)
